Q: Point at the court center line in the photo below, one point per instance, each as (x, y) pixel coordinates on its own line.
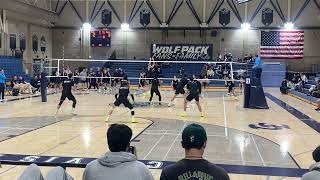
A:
(166, 155)
(260, 155)
(154, 146)
(225, 117)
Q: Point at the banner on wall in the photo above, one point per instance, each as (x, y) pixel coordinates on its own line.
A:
(182, 52)
(13, 42)
(35, 43)
(43, 44)
(22, 39)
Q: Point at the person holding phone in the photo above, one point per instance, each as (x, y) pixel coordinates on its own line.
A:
(121, 162)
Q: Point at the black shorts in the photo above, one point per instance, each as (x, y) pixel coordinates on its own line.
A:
(179, 91)
(190, 97)
(125, 102)
(67, 95)
(155, 91)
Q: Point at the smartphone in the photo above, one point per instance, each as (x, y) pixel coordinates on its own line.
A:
(132, 150)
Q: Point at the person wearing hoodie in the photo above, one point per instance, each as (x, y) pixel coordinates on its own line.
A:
(314, 173)
(121, 162)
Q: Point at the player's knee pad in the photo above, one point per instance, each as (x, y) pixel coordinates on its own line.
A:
(132, 113)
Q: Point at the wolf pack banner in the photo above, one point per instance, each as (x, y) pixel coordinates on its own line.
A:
(267, 16)
(182, 52)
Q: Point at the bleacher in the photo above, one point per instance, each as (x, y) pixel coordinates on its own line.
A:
(304, 94)
(13, 66)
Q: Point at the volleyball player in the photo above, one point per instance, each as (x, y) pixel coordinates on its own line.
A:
(122, 98)
(230, 85)
(155, 83)
(174, 83)
(194, 91)
(142, 80)
(106, 79)
(180, 88)
(67, 85)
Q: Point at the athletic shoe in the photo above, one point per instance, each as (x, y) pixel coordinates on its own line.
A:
(318, 109)
(170, 104)
(73, 111)
(134, 120)
(184, 114)
(201, 114)
(107, 119)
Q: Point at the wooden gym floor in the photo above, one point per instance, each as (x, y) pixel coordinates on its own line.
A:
(245, 142)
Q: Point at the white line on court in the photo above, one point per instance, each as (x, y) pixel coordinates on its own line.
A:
(166, 155)
(225, 117)
(154, 146)
(260, 155)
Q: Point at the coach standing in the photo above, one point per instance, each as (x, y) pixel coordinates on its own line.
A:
(2, 84)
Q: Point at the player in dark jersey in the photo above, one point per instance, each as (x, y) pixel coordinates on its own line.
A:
(174, 83)
(67, 85)
(142, 80)
(230, 85)
(180, 88)
(122, 98)
(155, 83)
(194, 90)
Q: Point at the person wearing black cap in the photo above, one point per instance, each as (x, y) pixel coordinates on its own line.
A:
(193, 166)
(314, 173)
(155, 83)
(122, 98)
(67, 93)
(180, 88)
(194, 91)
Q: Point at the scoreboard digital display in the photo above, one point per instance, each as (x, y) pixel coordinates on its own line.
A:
(100, 38)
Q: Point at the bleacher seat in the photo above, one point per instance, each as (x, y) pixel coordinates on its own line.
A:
(13, 66)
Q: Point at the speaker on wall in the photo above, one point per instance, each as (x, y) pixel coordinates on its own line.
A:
(106, 17)
(214, 33)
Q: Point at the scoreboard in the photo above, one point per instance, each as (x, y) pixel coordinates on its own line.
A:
(100, 38)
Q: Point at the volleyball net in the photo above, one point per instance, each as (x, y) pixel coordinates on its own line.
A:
(212, 73)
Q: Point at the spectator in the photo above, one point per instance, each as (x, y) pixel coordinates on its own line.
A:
(83, 78)
(194, 140)
(204, 71)
(284, 87)
(35, 83)
(318, 104)
(314, 173)
(210, 73)
(2, 84)
(119, 163)
(304, 79)
(33, 172)
(316, 91)
(219, 58)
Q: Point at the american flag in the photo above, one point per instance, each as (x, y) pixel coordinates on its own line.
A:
(282, 44)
